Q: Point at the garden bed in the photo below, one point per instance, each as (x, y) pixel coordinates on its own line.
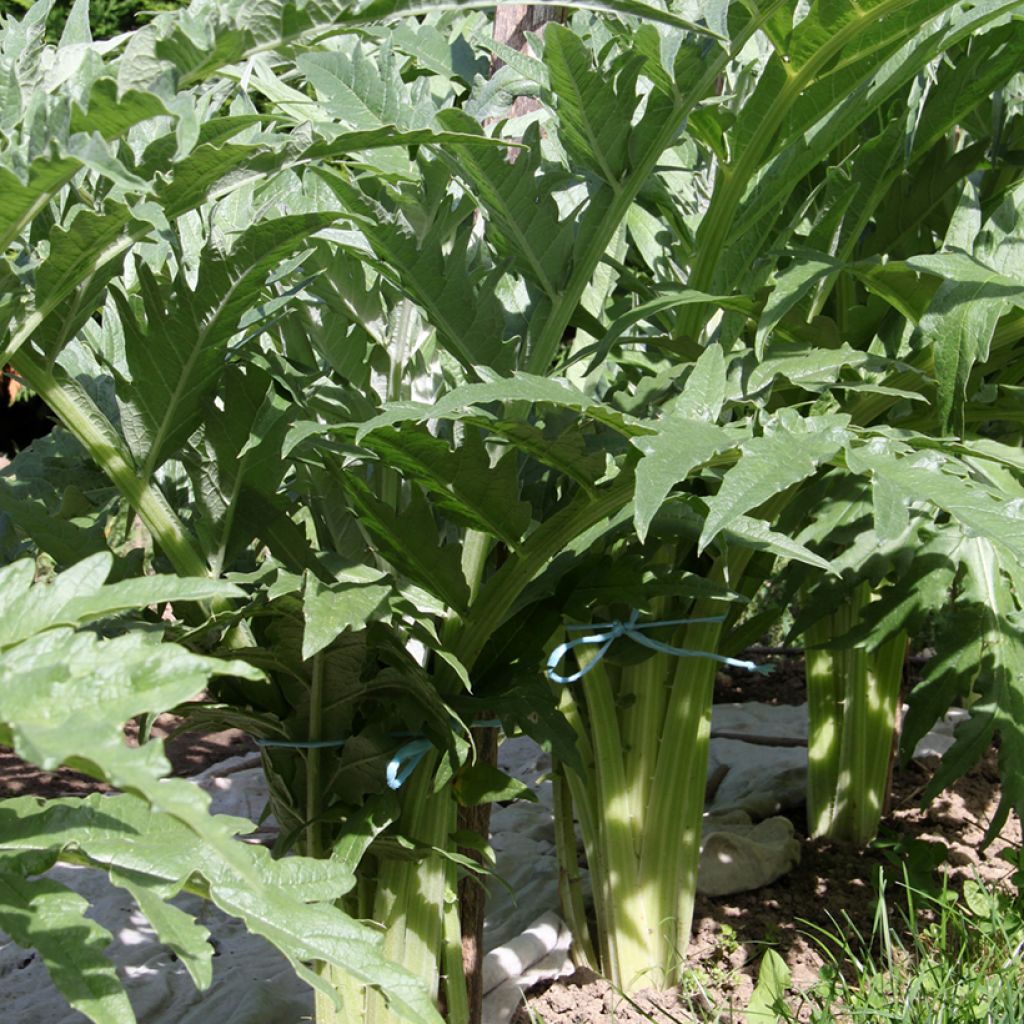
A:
(833, 883)
(731, 933)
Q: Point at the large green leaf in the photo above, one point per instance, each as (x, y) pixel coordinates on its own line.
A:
(25, 195)
(70, 281)
(757, 534)
(177, 358)
(680, 446)
(979, 659)
(461, 480)
(841, 62)
(236, 483)
(409, 540)
(53, 709)
(595, 112)
(80, 595)
(565, 451)
(790, 286)
(687, 436)
(64, 697)
(330, 609)
(290, 901)
(22, 200)
(79, 253)
(960, 322)
(365, 90)
(944, 484)
(526, 224)
(434, 270)
(803, 365)
(790, 450)
(42, 914)
(520, 387)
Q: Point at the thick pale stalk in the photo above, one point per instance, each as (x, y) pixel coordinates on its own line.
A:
(575, 803)
(674, 814)
(314, 793)
(410, 899)
(570, 881)
(646, 802)
(644, 691)
(868, 727)
(834, 679)
(349, 991)
(647, 686)
(646, 809)
(674, 810)
(77, 412)
(641, 805)
(458, 1004)
(852, 702)
(624, 929)
(824, 721)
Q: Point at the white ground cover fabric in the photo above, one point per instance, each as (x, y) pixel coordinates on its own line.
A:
(252, 982)
(745, 845)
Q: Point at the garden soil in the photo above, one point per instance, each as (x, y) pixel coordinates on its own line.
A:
(833, 888)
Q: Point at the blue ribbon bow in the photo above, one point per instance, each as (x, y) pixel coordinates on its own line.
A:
(611, 631)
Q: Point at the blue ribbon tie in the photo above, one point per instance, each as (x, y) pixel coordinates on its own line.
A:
(609, 632)
(301, 744)
(399, 768)
(403, 764)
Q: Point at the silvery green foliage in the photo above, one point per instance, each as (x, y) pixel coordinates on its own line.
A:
(74, 670)
(403, 373)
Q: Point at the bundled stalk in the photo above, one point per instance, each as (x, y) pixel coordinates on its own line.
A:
(643, 732)
(852, 701)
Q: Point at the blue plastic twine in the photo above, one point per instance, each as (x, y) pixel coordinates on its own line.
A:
(403, 764)
(399, 768)
(300, 744)
(611, 631)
